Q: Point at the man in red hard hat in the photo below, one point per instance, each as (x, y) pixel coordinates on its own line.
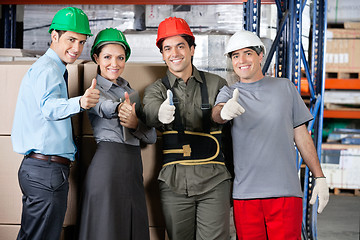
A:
(194, 181)
(42, 129)
(268, 116)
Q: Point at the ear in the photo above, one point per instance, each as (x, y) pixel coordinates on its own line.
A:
(96, 58)
(192, 50)
(54, 36)
(261, 56)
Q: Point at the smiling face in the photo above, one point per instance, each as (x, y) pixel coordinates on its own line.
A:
(246, 64)
(177, 55)
(111, 61)
(68, 46)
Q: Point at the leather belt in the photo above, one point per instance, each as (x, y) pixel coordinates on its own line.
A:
(53, 158)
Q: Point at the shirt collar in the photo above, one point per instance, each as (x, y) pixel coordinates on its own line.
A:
(173, 78)
(53, 55)
(107, 84)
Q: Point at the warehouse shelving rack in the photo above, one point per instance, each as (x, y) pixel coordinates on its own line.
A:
(287, 49)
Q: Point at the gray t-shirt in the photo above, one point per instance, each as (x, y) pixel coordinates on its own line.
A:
(263, 138)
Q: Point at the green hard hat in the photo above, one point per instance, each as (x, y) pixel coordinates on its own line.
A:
(71, 19)
(110, 35)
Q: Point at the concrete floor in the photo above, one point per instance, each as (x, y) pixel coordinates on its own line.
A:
(340, 220)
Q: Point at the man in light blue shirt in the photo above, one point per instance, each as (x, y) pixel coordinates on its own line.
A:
(42, 128)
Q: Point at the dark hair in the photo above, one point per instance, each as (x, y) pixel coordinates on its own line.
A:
(190, 40)
(60, 32)
(257, 49)
(97, 50)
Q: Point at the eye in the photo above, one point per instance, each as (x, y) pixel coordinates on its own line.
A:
(82, 42)
(72, 39)
(235, 56)
(106, 57)
(166, 48)
(121, 58)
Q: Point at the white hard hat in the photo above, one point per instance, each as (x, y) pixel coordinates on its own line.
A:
(243, 39)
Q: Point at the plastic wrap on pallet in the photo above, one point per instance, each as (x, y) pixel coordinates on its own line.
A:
(37, 19)
(343, 11)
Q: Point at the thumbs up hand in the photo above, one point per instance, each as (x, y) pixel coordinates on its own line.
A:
(167, 109)
(232, 108)
(90, 97)
(127, 113)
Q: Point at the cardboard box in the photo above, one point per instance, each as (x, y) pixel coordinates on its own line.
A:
(139, 75)
(341, 165)
(12, 74)
(10, 193)
(343, 50)
(352, 25)
(9, 232)
(157, 233)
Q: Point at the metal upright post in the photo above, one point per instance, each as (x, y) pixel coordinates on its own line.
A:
(317, 82)
(252, 16)
(9, 21)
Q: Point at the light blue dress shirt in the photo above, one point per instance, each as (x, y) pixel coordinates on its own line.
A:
(42, 121)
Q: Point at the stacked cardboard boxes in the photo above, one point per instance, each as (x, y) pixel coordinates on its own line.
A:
(10, 193)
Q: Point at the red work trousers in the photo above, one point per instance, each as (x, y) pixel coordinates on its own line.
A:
(268, 218)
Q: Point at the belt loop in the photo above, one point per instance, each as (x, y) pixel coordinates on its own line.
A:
(49, 159)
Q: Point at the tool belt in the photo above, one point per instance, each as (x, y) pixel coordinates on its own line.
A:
(192, 148)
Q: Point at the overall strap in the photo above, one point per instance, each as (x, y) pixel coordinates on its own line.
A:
(205, 106)
(177, 122)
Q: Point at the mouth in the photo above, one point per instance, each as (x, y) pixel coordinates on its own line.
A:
(177, 60)
(244, 67)
(113, 70)
(72, 55)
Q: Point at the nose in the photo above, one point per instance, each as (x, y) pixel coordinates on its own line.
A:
(174, 51)
(77, 47)
(113, 61)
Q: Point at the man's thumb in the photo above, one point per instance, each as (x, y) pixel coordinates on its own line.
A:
(93, 84)
(169, 97)
(236, 94)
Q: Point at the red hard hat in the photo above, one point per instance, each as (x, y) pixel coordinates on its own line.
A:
(172, 26)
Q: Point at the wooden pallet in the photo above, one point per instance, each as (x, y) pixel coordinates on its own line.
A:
(343, 75)
(346, 191)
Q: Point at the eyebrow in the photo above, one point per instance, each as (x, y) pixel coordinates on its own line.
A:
(178, 44)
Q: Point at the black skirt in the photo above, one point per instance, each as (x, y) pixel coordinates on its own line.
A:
(114, 205)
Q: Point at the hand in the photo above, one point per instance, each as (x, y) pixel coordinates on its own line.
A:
(127, 114)
(90, 97)
(232, 108)
(166, 110)
(320, 189)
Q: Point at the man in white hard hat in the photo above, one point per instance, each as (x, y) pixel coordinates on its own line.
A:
(268, 115)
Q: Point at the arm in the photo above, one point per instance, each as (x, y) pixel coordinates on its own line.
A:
(131, 115)
(215, 113)
(223, 112)
(53, 100)
(307, 150)
(154, 97)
